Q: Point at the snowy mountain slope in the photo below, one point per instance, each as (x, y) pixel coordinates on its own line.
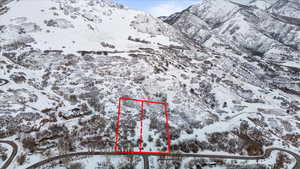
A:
(249, 30)
(224, 74)
(259, 43)
(78, 57)
(70, 21)
(288, 8)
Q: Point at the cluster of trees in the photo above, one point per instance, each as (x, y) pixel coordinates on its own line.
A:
(75, 166)
(3, 155)
(104, 44)
(60, 133)
(84, 52)
(220, 141)
(22, 122)
(138, 40)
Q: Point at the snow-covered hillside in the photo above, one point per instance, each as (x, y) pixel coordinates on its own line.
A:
(258, 71)
(229, 73)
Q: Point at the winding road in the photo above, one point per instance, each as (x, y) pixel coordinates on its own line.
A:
(13, 154)
(145, 156)
(11, 143)
(146, 161)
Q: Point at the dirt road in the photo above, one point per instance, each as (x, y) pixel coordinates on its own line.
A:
(13, 154)
(146, 161)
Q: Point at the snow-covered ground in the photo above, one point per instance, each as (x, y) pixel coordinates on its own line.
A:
(227, 76)
(8, 152)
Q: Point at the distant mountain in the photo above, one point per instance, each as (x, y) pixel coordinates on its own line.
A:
(267, 34)
(260, 55)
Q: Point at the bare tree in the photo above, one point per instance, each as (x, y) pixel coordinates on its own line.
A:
(21, 159)
(75, 166)
(29, 143)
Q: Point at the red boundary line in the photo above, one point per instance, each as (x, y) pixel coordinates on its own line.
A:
(167, 127)
(118, 125)
(137, 152)
(141, 130)
(147, 101)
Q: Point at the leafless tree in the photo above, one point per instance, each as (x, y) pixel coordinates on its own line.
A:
(29, 143)
(21, 159)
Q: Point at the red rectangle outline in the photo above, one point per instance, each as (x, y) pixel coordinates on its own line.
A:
(142, 117)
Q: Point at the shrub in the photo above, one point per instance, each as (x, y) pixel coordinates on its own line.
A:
(3, 157)
(21, 159)
(29, 143)
(75, 166)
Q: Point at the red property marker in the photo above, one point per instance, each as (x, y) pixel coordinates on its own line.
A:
(165, 108)
(141, 129)
(118, 124)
